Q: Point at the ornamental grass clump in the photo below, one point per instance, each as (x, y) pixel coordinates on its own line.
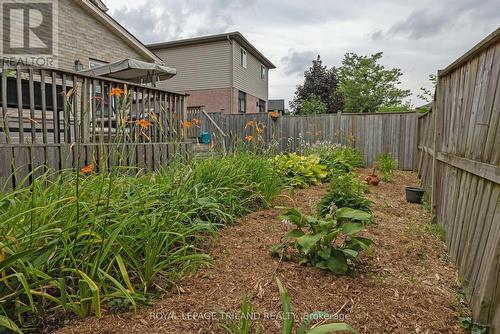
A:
(80, 242)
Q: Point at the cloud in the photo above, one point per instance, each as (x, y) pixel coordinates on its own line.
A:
(444, 15)
(296, 62)
(377, 35)
(163, 20)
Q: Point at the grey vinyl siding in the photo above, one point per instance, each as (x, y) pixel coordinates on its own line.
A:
(199, 66)
(248, 79)
(82, 36)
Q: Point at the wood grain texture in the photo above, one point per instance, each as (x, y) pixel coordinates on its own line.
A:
(460, 139)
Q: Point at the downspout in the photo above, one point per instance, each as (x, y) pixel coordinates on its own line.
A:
(232, 73)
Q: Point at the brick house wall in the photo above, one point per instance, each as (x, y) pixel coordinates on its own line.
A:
(81, 35)
(214, 100)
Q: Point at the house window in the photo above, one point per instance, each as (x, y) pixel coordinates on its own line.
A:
(243, 58)
(242, 102)
(262, 72)
(262, 106)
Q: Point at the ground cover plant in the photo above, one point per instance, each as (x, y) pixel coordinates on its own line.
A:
(78, 243)
(300, 171)
(387, 165)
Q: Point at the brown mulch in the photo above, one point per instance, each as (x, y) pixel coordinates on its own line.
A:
(404, 285)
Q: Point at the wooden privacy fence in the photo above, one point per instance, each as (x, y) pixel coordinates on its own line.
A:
(373, 134)
(459, 148)
(60, 119)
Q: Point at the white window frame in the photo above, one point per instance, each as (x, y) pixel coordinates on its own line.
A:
(243, 58)
(263, 72)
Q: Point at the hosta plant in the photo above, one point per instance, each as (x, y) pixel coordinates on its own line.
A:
(328, 243)
(300, 171)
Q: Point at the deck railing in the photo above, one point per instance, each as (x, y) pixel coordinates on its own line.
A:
(48, 113)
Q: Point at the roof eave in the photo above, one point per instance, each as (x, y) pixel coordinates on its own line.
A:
(119, 29)
(236, 35)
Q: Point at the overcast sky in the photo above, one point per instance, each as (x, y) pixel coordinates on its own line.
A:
(419, 37)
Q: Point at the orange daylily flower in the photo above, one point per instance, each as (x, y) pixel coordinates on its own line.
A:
(249, 138)
(274, 115)
(87, 169)
(186, 124)
(250, 124)
(116, 92)
(144, 124)
(196, 121)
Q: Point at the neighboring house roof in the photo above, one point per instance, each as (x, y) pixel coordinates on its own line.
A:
(276, 105)
(100, 4)
(98, 9)
(237, 36)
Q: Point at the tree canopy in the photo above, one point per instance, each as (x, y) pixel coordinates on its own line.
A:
(368, 86)
(322, 83)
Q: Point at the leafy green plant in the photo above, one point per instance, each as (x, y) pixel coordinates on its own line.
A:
(345, 190)
(473, 327)
(387, 165)
(306, 327)
(300, 171)
(338, 159)
(312, 105)
(328, 243)
(112, 242)
(243, 325)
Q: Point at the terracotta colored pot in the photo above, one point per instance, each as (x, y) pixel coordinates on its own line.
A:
(372, 179)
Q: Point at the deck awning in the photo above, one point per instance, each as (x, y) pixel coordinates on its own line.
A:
(133, 70)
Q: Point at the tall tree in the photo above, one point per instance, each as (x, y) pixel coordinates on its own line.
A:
(368, 86)
(321, 82)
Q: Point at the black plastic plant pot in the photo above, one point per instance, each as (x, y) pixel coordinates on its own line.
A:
(414, 195)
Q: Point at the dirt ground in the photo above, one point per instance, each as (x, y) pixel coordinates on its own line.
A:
(406, 284)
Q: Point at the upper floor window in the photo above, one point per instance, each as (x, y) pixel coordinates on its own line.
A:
(263, 72)
(242, 102)
(243, 58)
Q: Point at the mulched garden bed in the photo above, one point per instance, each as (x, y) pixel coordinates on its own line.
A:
(406, 284)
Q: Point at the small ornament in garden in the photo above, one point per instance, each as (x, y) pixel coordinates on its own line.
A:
(373, 179)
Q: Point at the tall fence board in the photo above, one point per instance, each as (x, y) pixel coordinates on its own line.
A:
(459, 162)
(373, 134)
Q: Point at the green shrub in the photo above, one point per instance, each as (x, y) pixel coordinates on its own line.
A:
(337, 158)
(387, 165)
(312, 105)
(300, 171)
(345, 190)
(328, 243)
(79, 244)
